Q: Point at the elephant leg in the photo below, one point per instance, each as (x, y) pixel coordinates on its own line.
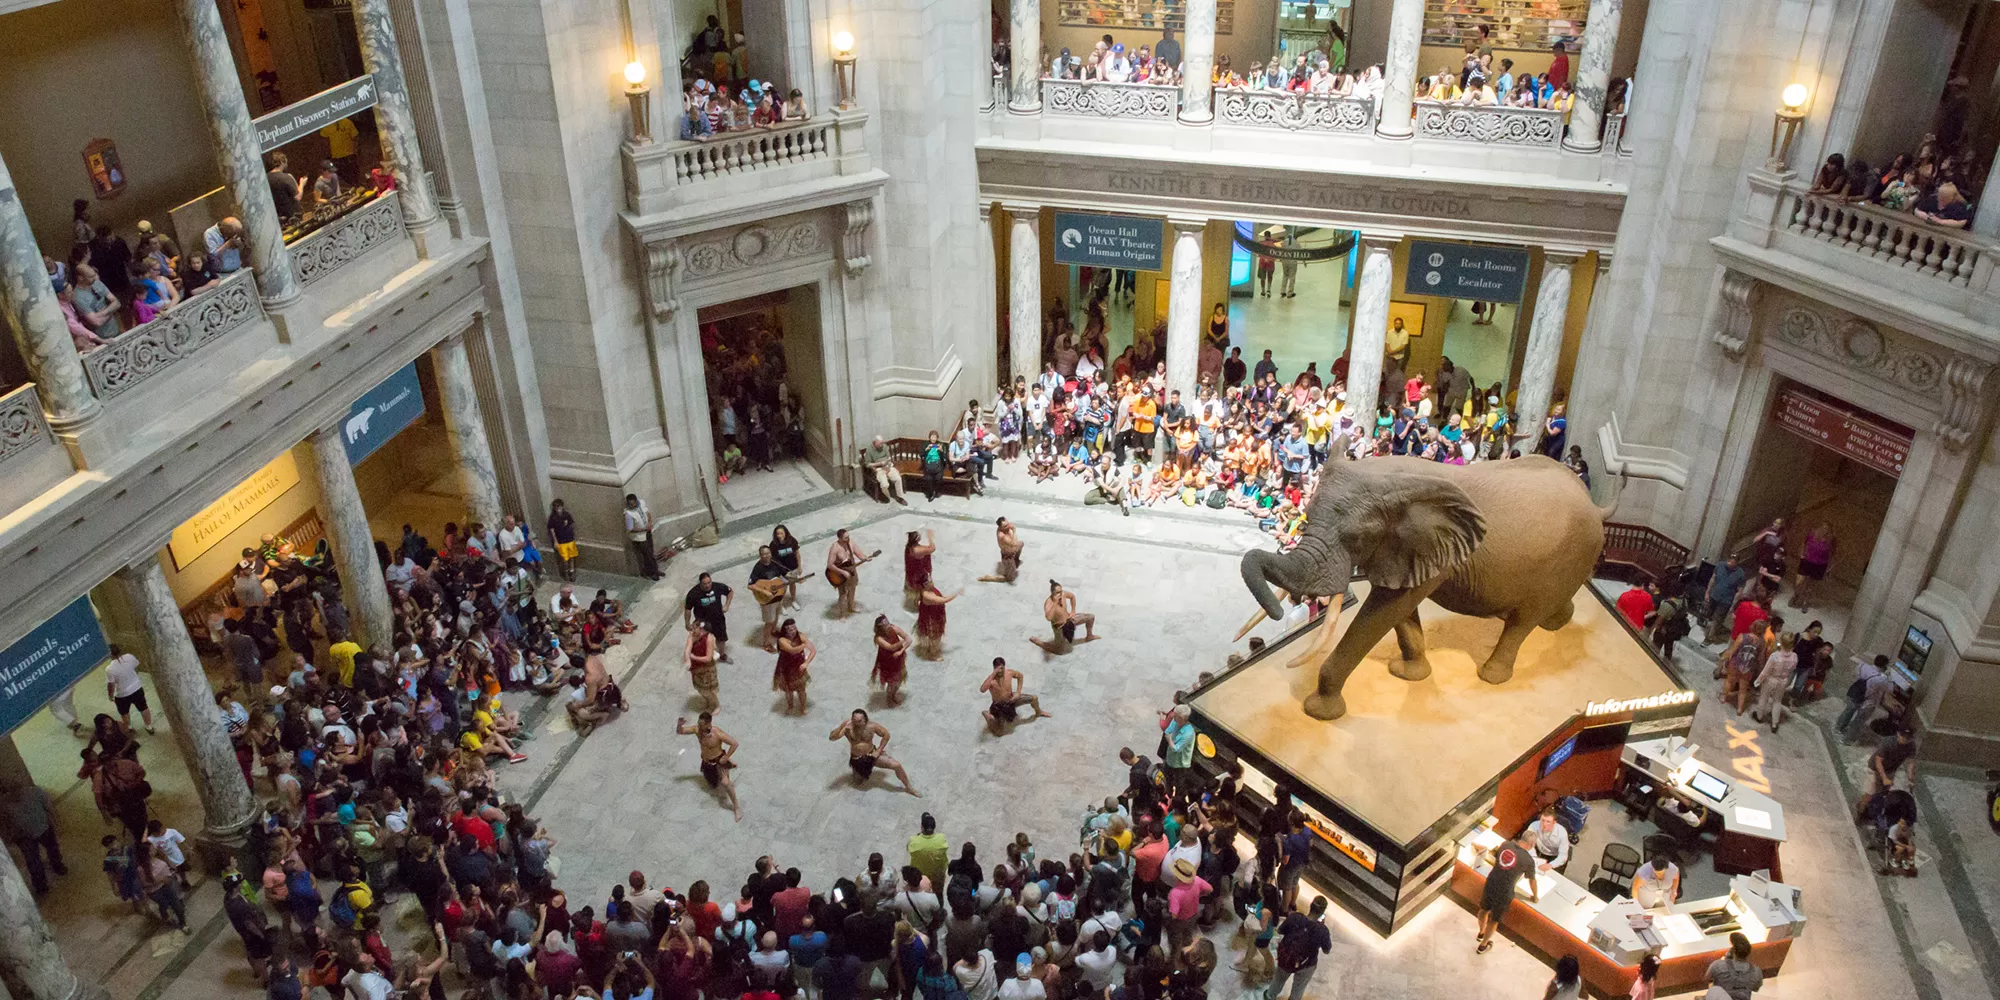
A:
(1499, 666)
(1414, 666)
(1383, 610)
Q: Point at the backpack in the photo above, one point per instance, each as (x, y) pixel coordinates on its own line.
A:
(1295, 950)
(1857, 690)
(348, 903)
(961, 890)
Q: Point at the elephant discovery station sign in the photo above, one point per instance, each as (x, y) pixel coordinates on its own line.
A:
(1119, 241)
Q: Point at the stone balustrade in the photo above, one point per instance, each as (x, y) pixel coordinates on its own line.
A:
(1540, 128)
(1896, 238)
(174, 335)
(1099, 99)
(23, 428)
(762, 149)
(31, 459)
(326, 250)
(1296, 112)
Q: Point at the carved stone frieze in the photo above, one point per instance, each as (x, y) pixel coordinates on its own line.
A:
(759, 244)
(1857, 344)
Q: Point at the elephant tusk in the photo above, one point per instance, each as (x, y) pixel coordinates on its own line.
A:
(1255, 620)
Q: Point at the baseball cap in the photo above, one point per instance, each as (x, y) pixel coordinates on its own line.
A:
(144, 226)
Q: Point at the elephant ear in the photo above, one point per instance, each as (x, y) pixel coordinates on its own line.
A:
(1412, 529)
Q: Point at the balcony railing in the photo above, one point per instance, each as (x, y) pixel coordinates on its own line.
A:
(348, 238)
(1097, 99)
(1297, 112)
(1948, 255)
(23, 428)
(1538, 128)
(749, 152)
(173, 336)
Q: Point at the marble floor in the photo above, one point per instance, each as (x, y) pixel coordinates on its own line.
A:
(1164, 588)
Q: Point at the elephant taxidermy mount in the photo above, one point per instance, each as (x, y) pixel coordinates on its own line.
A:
(1510, 539)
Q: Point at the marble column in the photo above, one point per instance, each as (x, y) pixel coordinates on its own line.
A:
(1399, 71)
(1593, 76)
(1024, 291)
(35, 318)
(31, 966)
(376, 29)
(467, 429)
(237, 154)
(1025, 42)
(1198, 64)
(189, 702)
(1184, 309)
(361, 585)
(989, 282)
(1371, 325)
(1545, 342)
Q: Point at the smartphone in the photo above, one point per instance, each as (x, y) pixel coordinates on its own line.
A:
(837, 896)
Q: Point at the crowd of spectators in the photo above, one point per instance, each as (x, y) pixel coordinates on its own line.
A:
(1936, 184)
(720, 96)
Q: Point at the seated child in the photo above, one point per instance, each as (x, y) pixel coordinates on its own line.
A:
(733, 462)
(1042, 462)
(1077, 461)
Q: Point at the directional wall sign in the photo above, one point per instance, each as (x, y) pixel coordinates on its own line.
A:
(1466, 271)
(381, 413)
(1120, 241)
(47, 660)
(316, 112)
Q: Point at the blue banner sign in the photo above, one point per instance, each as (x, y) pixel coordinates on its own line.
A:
(47, 660)
(1120, 241)
(1466, 271)
(381, 413)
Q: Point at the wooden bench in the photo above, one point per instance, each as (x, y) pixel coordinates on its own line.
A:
(1639, 554)
(907, 453)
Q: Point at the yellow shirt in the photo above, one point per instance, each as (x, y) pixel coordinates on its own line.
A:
(343, 654)
(1143, 411)
(340, 138)
(1319, 423)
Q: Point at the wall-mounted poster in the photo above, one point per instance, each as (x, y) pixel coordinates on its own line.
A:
(1139, 15)
(107, 175)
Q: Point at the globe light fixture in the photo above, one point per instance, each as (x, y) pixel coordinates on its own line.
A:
(843, 67)
(637, 96)
(1791, 111)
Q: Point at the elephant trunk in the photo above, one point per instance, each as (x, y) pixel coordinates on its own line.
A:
(1312, 569)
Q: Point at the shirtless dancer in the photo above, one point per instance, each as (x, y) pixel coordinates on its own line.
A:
(701, 657)
(864, 754)
(1010, 554)
(717, 749)
(1005, 688)
(1060, 609)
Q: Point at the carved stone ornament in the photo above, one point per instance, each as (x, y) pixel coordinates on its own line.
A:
(663, 259)
(1964, 401)
(755, 245)
(1858, 344)
(1733, 316)
(854, 243)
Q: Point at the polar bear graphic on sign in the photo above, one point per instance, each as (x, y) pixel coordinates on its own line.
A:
(357, 424)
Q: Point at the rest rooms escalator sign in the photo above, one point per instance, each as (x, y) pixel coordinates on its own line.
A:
(47, 660)
(1465, 271)
(1120, 241)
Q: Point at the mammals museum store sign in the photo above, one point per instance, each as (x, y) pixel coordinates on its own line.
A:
(47, 660)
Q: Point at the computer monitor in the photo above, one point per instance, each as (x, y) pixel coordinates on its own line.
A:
(1711, 787)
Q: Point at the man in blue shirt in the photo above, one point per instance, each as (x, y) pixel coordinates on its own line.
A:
(224, 242)
(1723, 584)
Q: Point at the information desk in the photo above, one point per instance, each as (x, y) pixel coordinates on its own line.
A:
(1609, 938)
(1752, 824)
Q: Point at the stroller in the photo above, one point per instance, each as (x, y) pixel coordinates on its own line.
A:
(1885, 810)
(1571, 813)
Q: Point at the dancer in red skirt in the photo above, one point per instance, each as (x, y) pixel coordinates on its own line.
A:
(892, 650)
(930, 619)
(917, 568)
(795, 652)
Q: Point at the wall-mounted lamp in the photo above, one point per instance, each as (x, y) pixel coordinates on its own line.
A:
(843, 67)
(636, 93)
(1791, 111)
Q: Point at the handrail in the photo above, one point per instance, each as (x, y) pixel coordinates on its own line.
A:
(1492, 124)
(333, 246)
(23, 426)
(174, 335)
(1895, 237)
(1297, 112)
(763, 147)
(1103, 99)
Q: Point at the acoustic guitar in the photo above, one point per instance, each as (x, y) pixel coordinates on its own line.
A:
(838, 575)
(773, 590)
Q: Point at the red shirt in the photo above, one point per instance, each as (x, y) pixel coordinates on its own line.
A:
(707, 917)
(1147, 858)
(788, 911)
(1635, 605)
(481, 830)
(1748, 613)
